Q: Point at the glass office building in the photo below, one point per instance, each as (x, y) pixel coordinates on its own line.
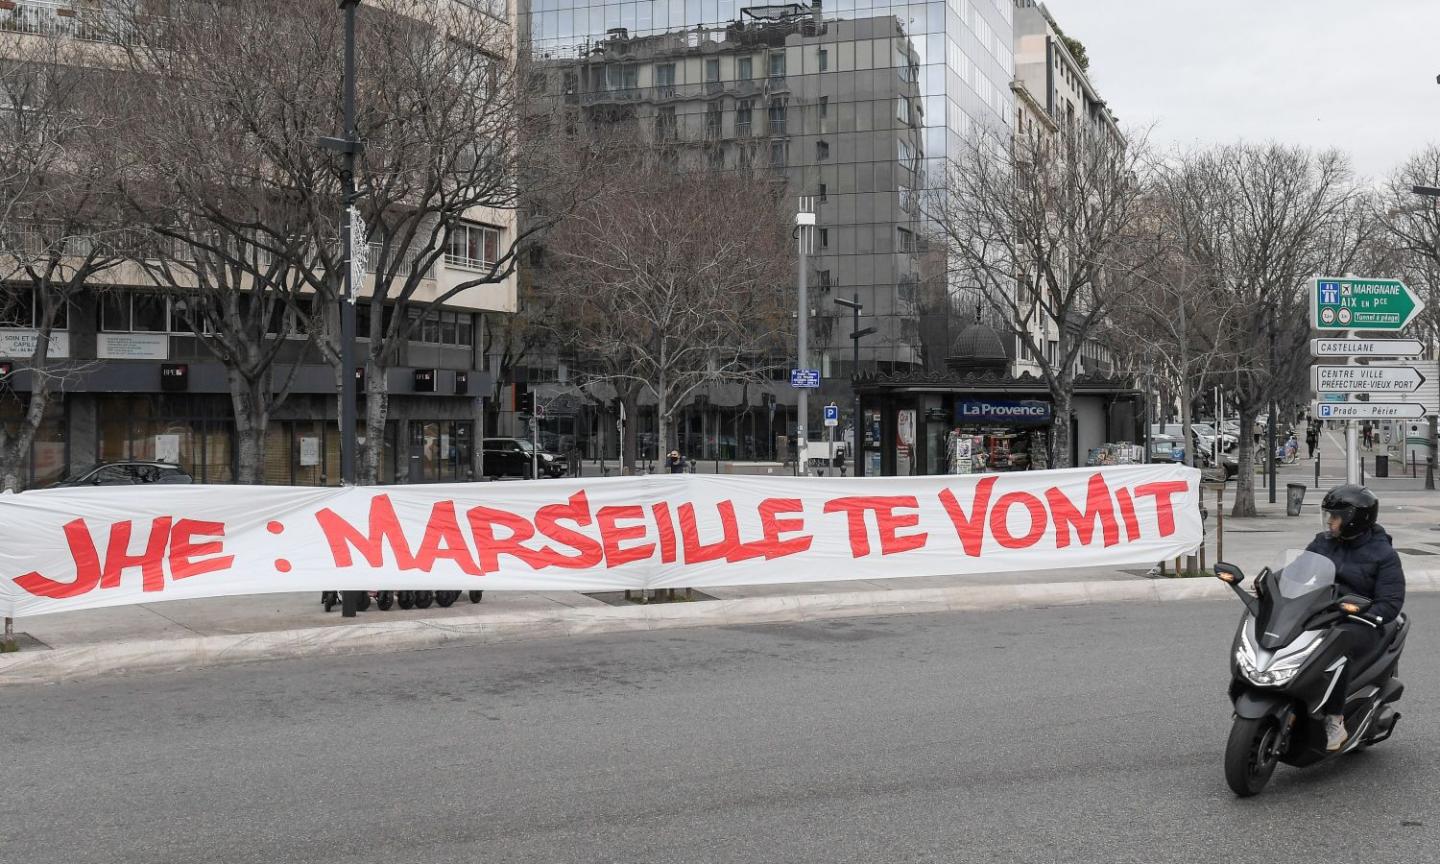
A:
(857, 103)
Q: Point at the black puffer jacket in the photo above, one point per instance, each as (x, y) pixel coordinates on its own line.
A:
(1368, 566)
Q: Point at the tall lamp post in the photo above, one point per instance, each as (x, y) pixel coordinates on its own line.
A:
(350, 146)
(855, 336)
(1430, 192)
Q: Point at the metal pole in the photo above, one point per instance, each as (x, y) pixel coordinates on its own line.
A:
(858, 457)
(1352, 452)
(1270, 445)
(349, 599)
(804, 227)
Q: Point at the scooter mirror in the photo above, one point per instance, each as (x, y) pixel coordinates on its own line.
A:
(1229, 573)
(1353, 604)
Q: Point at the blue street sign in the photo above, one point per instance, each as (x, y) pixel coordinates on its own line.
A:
(805, 378)
(832, 412)
(1330, 293)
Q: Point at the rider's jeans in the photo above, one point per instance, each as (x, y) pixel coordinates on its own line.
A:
(1361, 640)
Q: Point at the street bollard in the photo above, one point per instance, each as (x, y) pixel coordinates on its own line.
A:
(1219, 524)
(7, 644)
(1429, 472)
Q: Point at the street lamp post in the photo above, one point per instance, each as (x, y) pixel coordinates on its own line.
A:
(804, 237)
(350, 146)
(855, 336)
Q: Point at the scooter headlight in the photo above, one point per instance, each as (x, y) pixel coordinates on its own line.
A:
(1276, 674)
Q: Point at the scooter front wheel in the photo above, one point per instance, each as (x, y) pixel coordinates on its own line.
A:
(1251, 754)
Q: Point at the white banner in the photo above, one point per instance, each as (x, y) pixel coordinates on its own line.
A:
(68, 549)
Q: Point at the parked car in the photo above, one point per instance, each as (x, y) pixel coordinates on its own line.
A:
(510, 457)
(1227, 439)
(125, 474)
(1165, 443)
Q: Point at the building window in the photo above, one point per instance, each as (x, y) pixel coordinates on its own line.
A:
(824, 60)
(131, 312)
(665, 124)
(665, 78)
(712, 69)
(744, 69)
(716, 156)
(777, 64)
(905, 240)
(712, 121)
(19, 309)
(902, 110)
(825, 241)
(822, 151)
(820, 193)
(822, 278)
(824, 107)
(777, 116)
(742, 118)
(476, 247)
(778, 154)
(907, 155)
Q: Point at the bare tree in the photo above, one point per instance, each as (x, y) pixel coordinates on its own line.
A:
(58, 228)
(1045, 229)
(667, 283)
(1412, 223)
(437, 100)
(227, 117)
(1260, 221)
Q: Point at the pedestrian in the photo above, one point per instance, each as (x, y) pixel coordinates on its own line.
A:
(675, 462)
(1312, 440)
(1367, 433)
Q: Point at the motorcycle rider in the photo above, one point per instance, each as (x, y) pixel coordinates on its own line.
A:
(1367, 564)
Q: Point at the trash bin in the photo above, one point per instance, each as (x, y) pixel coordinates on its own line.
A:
(1294, 498)
(1382, 465)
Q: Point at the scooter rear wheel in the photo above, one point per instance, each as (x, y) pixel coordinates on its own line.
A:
(1250, 755)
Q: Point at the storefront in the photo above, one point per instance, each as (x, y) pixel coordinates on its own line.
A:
(990, 423)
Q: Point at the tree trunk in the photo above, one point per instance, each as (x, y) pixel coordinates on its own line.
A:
(662, 421)
(14, 451)
(1245, 480)
(1060, 427)
(12, 455)
(377, 407)
(249, 399)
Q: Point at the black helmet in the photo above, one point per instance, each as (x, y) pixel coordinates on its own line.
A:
(1356, 506)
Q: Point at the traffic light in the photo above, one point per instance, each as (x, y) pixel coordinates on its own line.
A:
(525, 402)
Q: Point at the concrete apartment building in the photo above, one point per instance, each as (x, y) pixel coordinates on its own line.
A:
(1054, 95)
(856, 104)
(146, 388)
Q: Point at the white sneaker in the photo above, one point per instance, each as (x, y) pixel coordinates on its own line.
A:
(1335, 734)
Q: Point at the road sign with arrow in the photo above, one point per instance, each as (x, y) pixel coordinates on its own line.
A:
(1366, 379)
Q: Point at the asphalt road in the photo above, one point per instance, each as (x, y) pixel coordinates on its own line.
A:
(1089, 734)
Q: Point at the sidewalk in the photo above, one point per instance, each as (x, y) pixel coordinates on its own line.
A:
(190, 633)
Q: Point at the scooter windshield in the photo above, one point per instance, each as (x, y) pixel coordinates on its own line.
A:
(1298, 589)
(1307, 573)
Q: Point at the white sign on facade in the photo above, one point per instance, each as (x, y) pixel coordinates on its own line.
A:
(20, 344)
(167, 448)
(309, 452)
(132, 346)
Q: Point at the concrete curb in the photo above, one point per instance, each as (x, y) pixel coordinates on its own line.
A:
(87, 661)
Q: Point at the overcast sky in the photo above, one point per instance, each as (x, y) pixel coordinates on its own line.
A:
(1358, 75)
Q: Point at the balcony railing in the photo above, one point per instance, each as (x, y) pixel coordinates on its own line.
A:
(72, 20)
